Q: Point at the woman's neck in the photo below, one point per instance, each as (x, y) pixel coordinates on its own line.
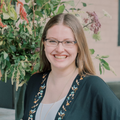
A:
(62, 75)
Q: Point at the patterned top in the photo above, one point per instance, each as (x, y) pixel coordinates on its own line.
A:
(67, 102)
(89, 98)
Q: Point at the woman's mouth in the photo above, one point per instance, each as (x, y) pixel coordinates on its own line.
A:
(60, 57)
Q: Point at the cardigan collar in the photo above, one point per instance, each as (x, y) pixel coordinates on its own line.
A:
(67, 103)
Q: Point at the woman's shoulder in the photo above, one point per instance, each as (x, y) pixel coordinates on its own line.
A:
(93, 79)
(95, 83)
(36, 78)
(98, 87)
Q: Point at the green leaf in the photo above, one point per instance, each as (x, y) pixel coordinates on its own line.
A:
(8, 8)
(0, 59)
(27, 1)
(55, 2)
(39, 13)
(71, 2)
(13, 14)
(72, 9)
(8, 64)
(61, 9)
(22, 71)
(78, 9)
(48, 10)
(39, 2)
(111, 69)
(3, 64)
(92, 51)
(6, 16)
(11, 36)
(36, 67)
(86, 28)
(22, 63)
(5, 55)
(25, 34)
(13, 48)
(4, 9)
(26, 7)
(100, 68)
(105, 64)
(107, 14)
(1, 42)
(97, 36)
(84, 4)
(22, 57)
(51, 7)
(35, 56)
(46, 1)
(105, 56)
(103, 70)
(27, 76)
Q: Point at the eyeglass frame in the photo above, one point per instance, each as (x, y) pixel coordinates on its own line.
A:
(60, 41)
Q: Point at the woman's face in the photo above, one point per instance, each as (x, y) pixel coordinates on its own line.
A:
(59, 56)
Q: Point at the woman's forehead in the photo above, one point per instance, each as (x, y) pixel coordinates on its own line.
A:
(60, 31)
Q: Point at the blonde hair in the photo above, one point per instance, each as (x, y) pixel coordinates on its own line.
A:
(83, 58)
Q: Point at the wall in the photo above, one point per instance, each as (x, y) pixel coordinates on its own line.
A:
(109, 35)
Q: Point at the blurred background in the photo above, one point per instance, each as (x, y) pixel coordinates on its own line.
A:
(108, 45)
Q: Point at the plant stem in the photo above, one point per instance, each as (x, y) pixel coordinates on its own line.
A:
(45, 4)
(33, 18)
(58, 4)
(87, 24)
(77, 3)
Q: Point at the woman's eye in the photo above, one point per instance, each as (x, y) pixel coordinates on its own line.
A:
(52, 41)
(68, 42)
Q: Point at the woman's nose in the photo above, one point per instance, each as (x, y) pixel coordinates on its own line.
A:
(59, 47)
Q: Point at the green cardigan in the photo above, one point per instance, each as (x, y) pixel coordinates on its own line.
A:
(89, 98)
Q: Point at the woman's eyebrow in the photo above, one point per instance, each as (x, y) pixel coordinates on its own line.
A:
(58, 40)
(51, 38)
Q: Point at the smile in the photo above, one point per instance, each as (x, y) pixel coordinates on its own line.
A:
(60, 57)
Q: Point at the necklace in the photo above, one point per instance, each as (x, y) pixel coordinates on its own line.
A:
(56, 99)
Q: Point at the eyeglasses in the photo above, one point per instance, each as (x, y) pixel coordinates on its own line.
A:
(65, 43)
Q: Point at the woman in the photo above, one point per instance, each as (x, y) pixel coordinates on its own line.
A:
(66, 87)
